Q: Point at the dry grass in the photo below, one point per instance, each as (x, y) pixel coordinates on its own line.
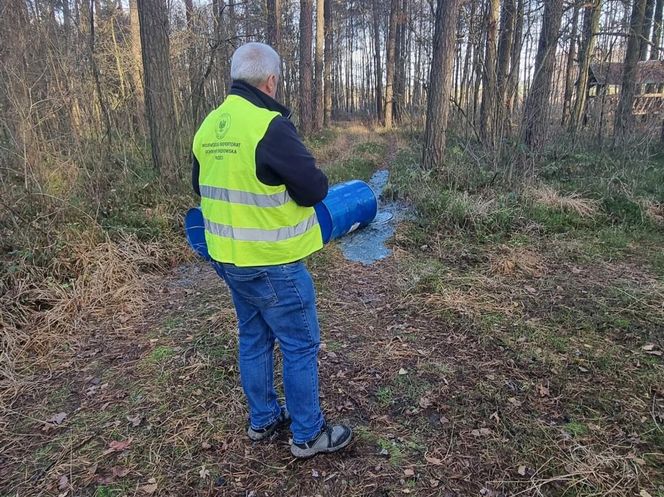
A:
(509, 261)
(585, 468)
(347, 137)
(475, 207)
(470, 303)
(438, 292)
(90, 285)
(573, 202)
(654, 211)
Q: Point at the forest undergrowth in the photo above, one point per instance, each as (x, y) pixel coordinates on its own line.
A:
(511, 345)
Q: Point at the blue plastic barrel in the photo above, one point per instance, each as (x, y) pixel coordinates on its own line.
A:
(347, 207)
(194, 227)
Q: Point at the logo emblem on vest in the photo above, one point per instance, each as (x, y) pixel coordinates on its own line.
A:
(224, 124)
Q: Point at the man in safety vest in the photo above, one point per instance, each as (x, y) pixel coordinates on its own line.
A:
(258, 184)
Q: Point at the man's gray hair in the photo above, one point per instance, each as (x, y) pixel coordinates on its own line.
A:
(254, 63)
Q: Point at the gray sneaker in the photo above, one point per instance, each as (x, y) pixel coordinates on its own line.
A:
(263, 433)
(330, 439)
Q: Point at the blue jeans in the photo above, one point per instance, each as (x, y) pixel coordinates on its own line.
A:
(277, 302)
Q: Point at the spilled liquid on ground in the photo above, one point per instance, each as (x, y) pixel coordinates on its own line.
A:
(368, 245)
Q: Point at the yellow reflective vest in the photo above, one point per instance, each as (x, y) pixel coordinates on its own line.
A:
(247, 223)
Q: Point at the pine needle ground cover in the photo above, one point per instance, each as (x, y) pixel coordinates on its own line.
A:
(511, 345)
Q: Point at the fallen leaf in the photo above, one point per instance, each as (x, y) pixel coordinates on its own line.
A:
(57, 419)
(433, 460)
(522, 470)
(644, 493)
(135, 420)
(150, 487)
(408, 472)
(514, 401)
(403, 371)
(63, 483)
(314, 473)
(654, 352)
(205, 446)
(204, 473)
(495, 417)
(425, 402)
(648, 347)
(92, 390)
(481, 432)
(119, 472)
(118, 446)
(543, 391)
(104, 479)
(582, 369)
(530, 289)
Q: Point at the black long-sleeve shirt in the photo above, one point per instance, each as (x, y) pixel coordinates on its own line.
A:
(281, 157)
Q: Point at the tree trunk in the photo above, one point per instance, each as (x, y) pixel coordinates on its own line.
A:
(229, 30)
(590, 28)
(159, 104)
(489, 75)
(507, 21)
(329, 51)
(220, 75)
(515, 57)
(569, 68)
(306, 74)
(195, 82)
(15, 82)
(273, 24)
(274, 36)
(136, 67)
(656, 31)
(654, 48)
(645, 33)
(624, 117)
(319, 98)
(96, 75)
(377, 63)
(400, 64)
(66, 18)
(390, 64)
(349, 62)
(478, 49)
(418, 78)
(535, 115)
(440, 84)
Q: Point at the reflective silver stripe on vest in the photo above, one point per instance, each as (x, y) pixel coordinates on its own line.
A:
(240, 197)
(260, 235)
